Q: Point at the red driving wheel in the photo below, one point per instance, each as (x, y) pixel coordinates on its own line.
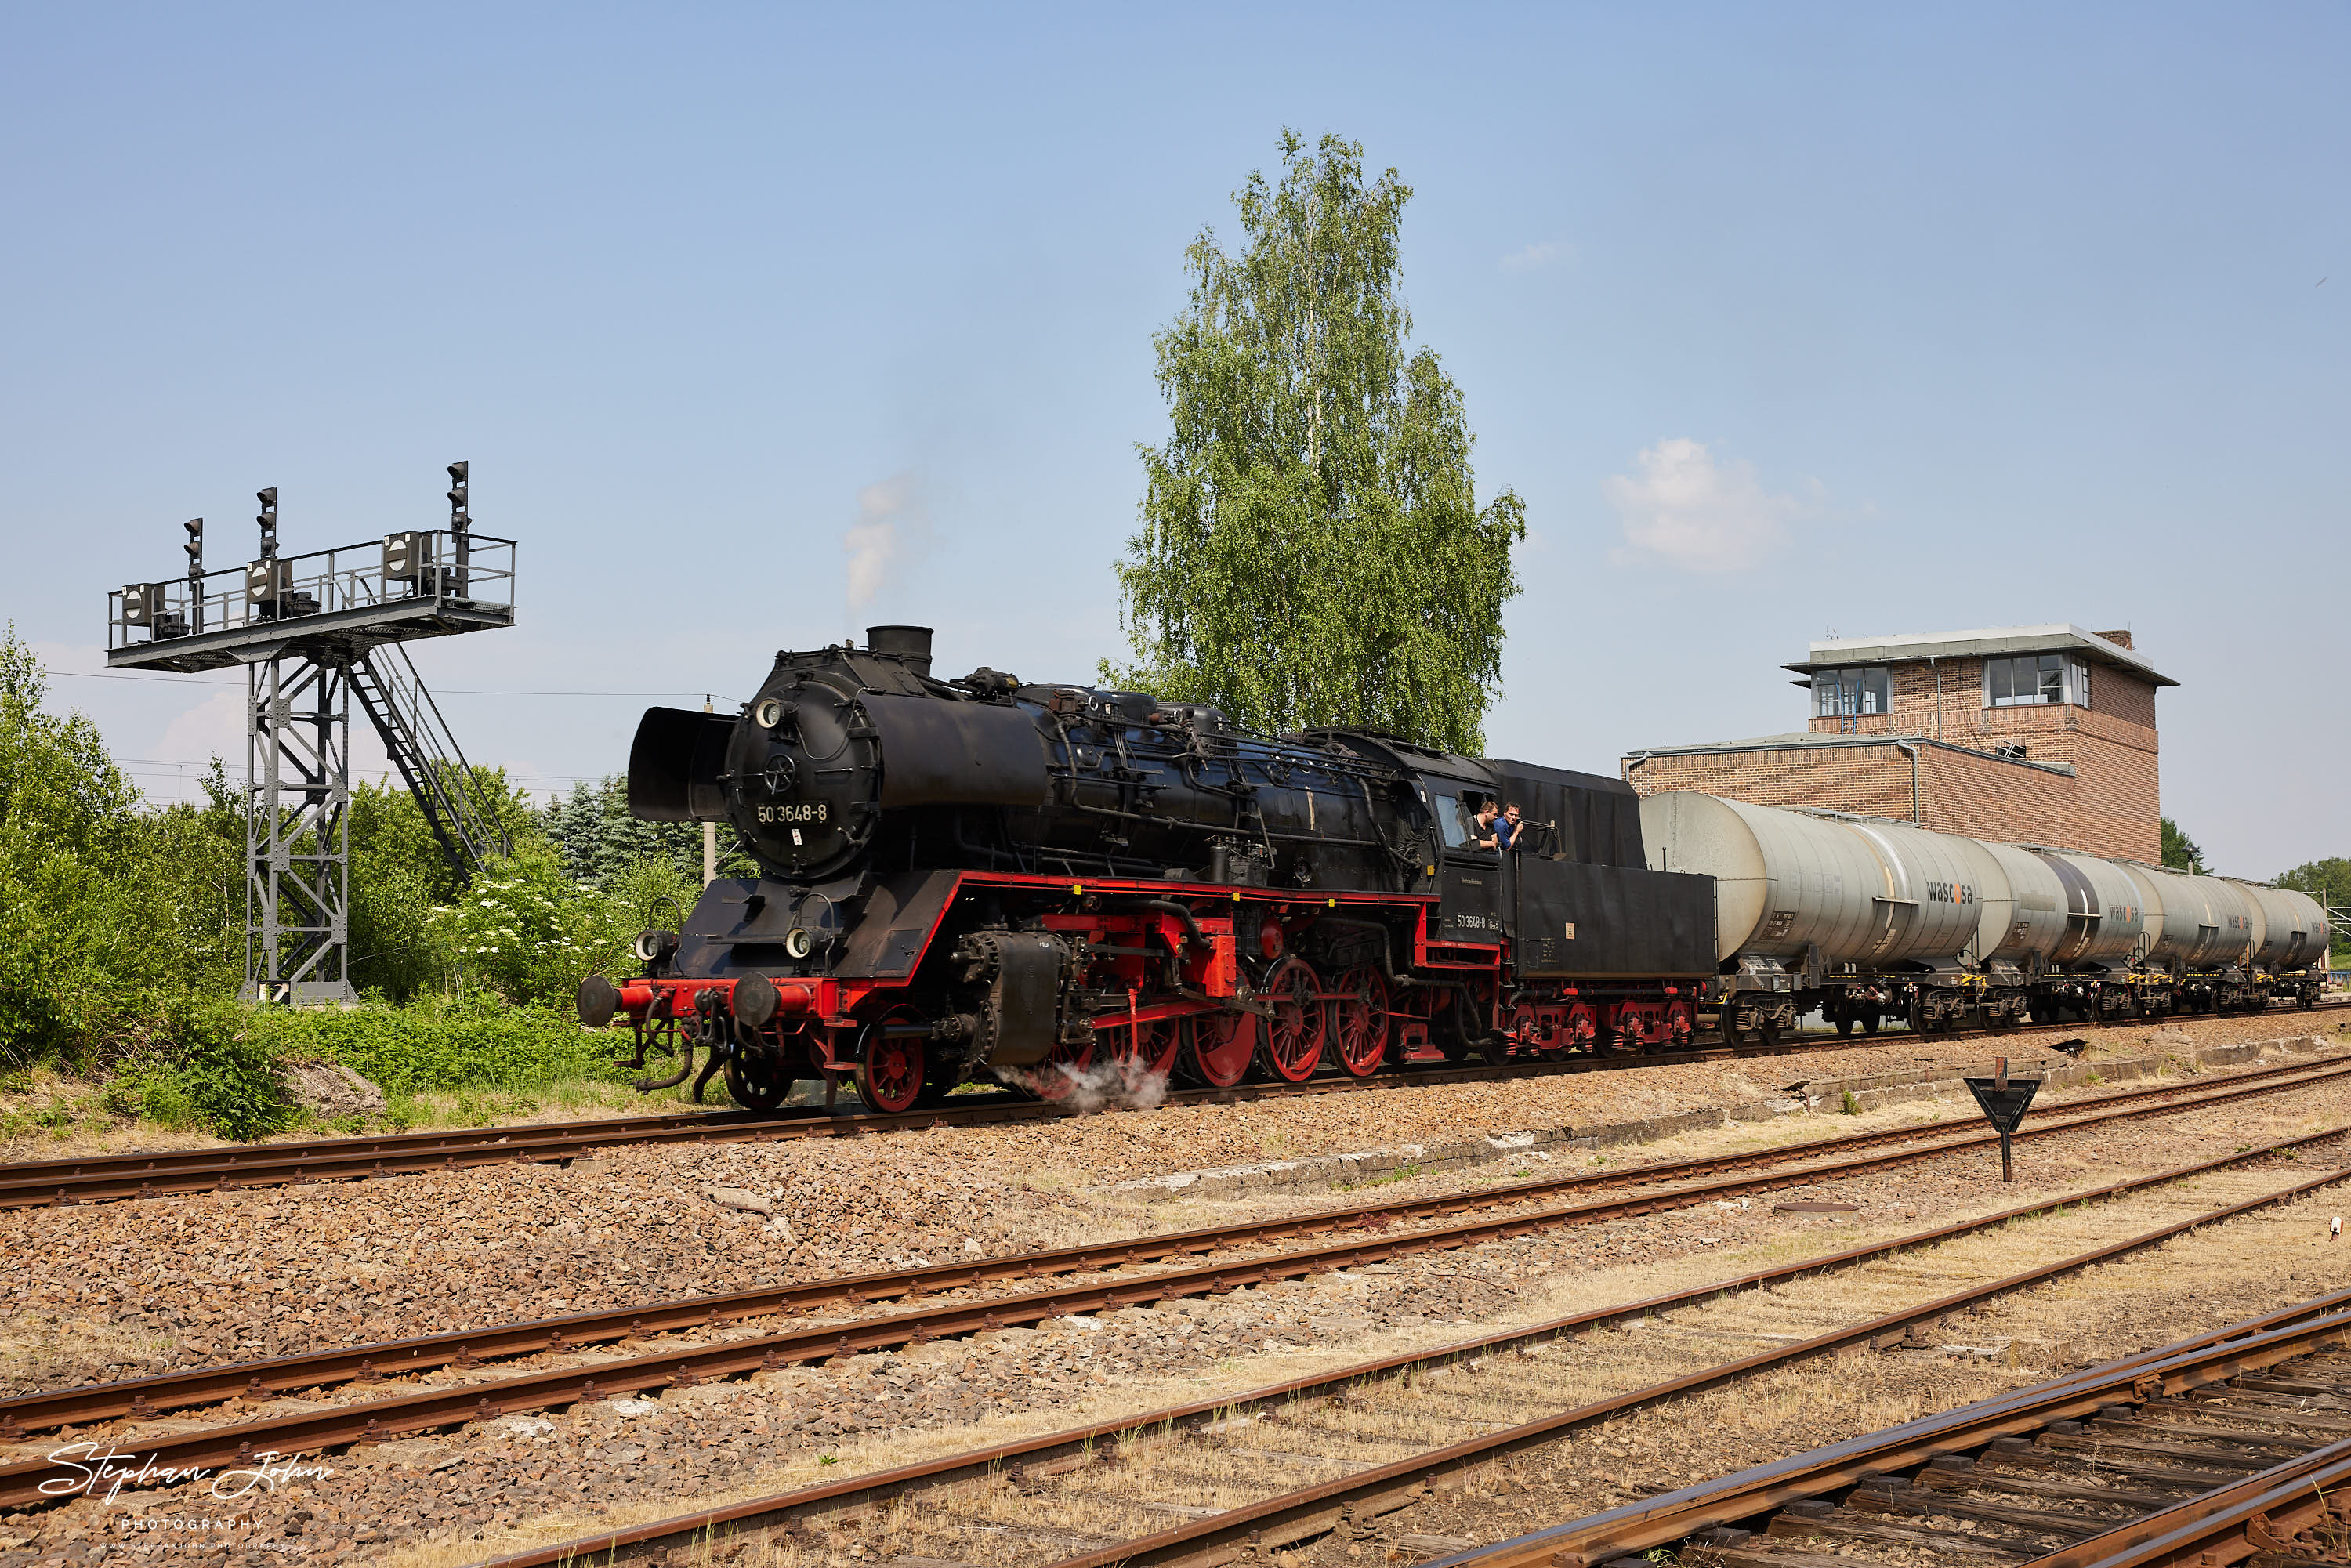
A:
(1360, 1020)
(1155, 1058)
(1292, 1046)
(1218, 1048)
(1056, 1077)
(889, 1067)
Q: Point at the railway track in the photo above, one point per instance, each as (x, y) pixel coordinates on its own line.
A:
(1210, 1462)
(2210, 1452)
(1369, 1235)
(101, 1178)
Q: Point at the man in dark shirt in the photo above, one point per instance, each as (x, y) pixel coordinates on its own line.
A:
(1487, 825)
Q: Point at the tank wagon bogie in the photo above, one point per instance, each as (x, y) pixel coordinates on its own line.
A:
(1866, 920)
(1070, 890)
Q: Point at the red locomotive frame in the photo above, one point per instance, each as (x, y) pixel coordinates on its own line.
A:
(1195, 1005)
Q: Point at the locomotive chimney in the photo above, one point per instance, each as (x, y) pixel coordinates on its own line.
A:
(912, 644)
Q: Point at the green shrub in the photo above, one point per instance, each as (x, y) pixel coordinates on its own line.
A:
(205, 1065)
(481, 1042)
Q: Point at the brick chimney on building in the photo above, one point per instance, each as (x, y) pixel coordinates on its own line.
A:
(2119, 639)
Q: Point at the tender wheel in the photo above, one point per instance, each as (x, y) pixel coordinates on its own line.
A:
(1360, 1020)
(1292, 1046)
(892, 1066)
(1136, 1068)
(1218, 1048)
(755, 1082)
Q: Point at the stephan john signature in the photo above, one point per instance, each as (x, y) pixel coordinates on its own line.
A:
(103, 1468)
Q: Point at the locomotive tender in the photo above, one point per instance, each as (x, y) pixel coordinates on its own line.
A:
(1057, 887)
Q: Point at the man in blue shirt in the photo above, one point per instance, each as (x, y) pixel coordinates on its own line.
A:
(1506, 831)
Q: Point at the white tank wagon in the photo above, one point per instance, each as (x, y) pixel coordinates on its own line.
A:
(1867, 919)
(1818, 909)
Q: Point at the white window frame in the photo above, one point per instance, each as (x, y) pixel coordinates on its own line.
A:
(2073, 684)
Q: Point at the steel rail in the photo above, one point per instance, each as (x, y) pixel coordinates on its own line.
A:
(23, 1484)
(1068, 1447)
(99, 1178)
(2260, 1513)
(1311, 1510)
(140, 1399)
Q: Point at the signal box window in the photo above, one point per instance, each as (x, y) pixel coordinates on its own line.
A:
(1842, 693)
(2031, 678)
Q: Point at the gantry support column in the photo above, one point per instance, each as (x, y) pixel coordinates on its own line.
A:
(298, 863)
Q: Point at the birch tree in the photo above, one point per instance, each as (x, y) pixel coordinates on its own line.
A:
(1312, 549)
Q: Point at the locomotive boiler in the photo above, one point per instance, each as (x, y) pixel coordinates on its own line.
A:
(1055, 886)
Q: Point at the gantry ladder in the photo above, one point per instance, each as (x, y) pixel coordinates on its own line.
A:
(457, 807)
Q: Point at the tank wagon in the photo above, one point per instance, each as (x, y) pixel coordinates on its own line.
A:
(1058, 887)
(1867, 920)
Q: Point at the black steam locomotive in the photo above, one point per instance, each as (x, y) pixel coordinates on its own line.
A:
(1056, 886)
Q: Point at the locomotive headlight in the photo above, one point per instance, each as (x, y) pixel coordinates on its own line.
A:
(797, 943)
(771, 713)
(656, 947)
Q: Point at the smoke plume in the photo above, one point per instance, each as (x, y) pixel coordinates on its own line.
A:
(890, 517)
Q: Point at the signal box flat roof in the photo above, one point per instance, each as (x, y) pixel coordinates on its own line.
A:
(1990, 641)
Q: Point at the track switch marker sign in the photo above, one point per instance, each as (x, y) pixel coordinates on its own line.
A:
(2003, 1100)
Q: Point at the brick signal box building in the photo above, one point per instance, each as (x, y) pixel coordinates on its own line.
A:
(2038, 734)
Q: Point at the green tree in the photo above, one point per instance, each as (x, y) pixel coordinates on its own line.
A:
(2329, 881)
(400, 878)
(2179, 851)
(1312, 550)
(104, 907)
(590, 828)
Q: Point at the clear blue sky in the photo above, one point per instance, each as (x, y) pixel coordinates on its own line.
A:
(1781, 318)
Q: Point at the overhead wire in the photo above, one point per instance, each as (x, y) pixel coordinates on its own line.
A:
(437, 691)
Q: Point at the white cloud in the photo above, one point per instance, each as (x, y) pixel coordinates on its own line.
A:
(1535, 255)
(888, 516)
(1685, 509)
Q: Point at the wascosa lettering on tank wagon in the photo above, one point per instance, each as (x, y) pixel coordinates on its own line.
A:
(1950, 893)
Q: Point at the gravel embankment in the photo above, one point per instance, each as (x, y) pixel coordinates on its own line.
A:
(246, 1273)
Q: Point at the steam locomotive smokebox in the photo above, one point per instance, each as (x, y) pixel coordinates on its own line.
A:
(912, 644)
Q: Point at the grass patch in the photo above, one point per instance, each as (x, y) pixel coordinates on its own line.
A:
(1402, 1172)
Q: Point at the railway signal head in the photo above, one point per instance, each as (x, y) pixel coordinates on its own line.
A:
(195, 546)
(460, 517)
(267, 519)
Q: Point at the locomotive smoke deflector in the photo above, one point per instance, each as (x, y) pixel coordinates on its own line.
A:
(674, 763)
